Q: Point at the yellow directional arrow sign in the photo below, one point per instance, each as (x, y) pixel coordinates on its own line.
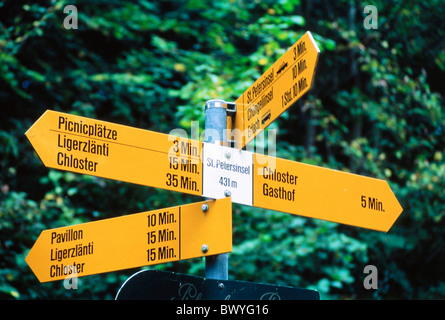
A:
(103, 149)
(298, 188)
(290, 77)
(326, 194)
(131, 241)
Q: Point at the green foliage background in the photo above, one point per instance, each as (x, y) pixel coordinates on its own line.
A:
(377, 109)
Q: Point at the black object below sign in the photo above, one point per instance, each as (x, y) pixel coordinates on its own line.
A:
(161, 285)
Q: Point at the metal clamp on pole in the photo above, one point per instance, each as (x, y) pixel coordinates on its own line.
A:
(231, 109)
(216, 111)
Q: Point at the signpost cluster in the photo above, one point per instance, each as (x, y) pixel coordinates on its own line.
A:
(211, 169)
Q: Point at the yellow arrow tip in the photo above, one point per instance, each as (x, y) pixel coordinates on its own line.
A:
(313, 41)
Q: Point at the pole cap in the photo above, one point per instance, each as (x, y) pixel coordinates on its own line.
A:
(218, 103)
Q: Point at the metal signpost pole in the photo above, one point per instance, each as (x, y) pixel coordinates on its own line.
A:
(215, 132)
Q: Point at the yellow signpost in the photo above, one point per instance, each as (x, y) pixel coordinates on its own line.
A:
(290, 77)
(131, 241)
(322, 193)
(103, 149)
